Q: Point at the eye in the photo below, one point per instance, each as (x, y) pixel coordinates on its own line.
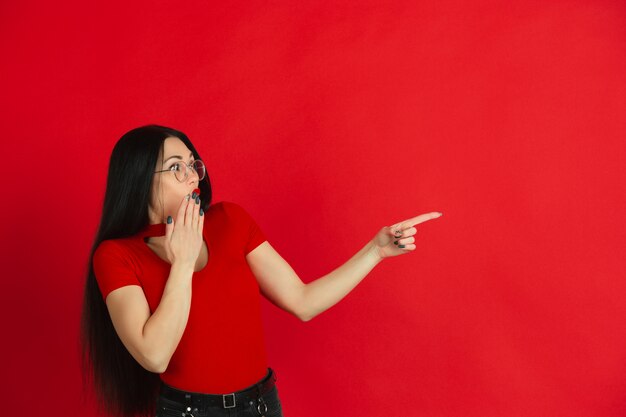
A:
(175, 167)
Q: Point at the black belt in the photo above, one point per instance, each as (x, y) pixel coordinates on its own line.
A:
(254, 392)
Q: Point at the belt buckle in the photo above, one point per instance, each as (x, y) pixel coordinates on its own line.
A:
(224, 400)
(189, 412)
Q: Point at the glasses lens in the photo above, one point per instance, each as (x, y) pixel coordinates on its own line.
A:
(198, 165)
(180, 171)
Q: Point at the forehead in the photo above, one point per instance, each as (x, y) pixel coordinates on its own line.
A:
(174, 146)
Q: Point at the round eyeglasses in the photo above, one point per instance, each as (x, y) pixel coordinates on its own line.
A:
(181, 170)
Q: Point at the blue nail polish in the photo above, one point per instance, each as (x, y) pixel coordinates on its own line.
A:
(193, 195)
(169, 219)
(198, 200)
(401, 246)
(395, 242)
(201, 212)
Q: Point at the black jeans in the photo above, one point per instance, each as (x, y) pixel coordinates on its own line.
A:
(173, 402)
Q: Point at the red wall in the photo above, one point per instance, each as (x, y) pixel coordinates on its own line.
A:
(327, 122)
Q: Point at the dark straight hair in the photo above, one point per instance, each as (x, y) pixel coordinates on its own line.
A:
(122, 386)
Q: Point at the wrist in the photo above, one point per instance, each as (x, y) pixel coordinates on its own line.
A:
(184, 267)
(373, 251)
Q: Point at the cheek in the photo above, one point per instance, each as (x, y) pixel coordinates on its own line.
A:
(167, 199)
(173, 202)
(173, 208)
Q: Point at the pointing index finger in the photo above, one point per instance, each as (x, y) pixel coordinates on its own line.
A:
(421, 219)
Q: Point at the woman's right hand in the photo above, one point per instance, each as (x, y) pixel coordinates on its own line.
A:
(183, 237)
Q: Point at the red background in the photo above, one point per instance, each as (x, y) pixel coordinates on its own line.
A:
(327, 121)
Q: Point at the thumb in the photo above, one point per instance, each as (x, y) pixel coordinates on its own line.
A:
(395, 231)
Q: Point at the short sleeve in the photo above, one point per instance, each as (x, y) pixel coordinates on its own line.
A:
(251, 233)
(113, 268)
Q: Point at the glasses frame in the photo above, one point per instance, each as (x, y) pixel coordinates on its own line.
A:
(187, 168)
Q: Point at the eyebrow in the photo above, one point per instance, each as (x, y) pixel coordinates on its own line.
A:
(177, 156)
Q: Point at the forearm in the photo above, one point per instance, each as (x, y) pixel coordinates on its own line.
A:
(324, 292)
(163, 331)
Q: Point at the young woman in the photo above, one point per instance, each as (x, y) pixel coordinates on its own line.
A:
(171, 322)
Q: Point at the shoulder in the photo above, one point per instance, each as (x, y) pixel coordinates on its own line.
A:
(112, 248)
(109, 246)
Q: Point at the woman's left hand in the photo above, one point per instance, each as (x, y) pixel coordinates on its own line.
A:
(398, 238)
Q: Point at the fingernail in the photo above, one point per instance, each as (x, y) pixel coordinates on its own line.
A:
(198, 200)
(201, 212)
(169, 219)
(401, 246)
(187, 197)
(395, 242)
(193, 195)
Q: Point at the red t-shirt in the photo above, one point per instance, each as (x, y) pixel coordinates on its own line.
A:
(222, 349)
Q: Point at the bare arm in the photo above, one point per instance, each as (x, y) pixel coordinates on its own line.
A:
(282, 286)
(152, 339)
(325, 292)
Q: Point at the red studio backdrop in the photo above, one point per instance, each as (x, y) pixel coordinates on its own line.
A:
(328, 121)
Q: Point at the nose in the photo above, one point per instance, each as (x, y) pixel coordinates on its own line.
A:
(193, 176)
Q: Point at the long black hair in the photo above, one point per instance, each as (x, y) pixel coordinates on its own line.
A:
(122, 386)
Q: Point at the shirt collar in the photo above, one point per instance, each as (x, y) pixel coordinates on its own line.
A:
(157, 229)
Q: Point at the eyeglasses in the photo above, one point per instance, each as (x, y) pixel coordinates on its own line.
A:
(181, 170)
